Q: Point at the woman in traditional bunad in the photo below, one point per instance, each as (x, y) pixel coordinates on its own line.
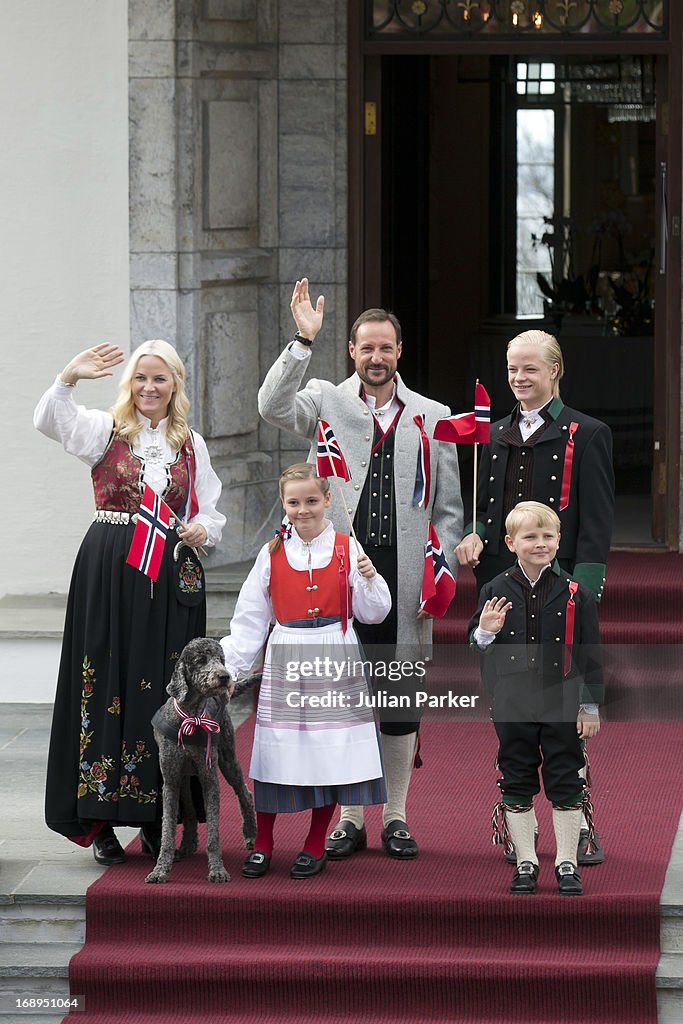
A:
(315, 741)
(123, 634)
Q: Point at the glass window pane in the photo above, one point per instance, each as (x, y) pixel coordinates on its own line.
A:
(535, 200)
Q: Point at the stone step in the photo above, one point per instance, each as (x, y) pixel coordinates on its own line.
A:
(670, 989)
(24, 922)
(34, 970)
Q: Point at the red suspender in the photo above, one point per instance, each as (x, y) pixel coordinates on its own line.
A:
(567, 472)
(569, 627)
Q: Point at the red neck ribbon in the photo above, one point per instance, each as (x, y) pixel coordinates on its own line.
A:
(567, 472)
(343, 587)
(569, 627)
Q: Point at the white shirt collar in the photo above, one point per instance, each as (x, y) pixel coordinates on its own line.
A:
(376, 410)
(147, 424)
(532, 583)
(322, 538)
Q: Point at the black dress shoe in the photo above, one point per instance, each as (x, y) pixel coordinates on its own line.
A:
(150, 839)
(306, 865)
(256, 865)
(106, 848)
(597, 854)
(398, 842)
(345, 841)
(525, 879)
(568, 879)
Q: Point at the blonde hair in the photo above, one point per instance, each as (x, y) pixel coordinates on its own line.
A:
(536, 510)
(299, 471)
(126, 422)
(550, 352)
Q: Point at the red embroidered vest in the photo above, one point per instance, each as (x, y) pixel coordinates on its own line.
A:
(292, 594)
(117, 477)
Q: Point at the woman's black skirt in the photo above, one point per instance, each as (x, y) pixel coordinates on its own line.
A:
(122, 638)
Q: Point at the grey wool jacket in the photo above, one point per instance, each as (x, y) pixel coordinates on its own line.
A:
(282, 402)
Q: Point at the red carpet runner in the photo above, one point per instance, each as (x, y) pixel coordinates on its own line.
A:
(437, 939)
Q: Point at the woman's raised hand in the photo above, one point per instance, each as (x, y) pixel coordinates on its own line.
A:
(92, 363)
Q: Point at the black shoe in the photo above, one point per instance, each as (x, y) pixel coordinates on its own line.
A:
(256, 865)
(511, 855)
(525, 879)
(345, 841)
(568, 879)
(150, 839)
(306, 865)
(583, 857)
(106, 848)
(398, 842)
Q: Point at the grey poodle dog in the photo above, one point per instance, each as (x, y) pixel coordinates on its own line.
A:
(193, 731)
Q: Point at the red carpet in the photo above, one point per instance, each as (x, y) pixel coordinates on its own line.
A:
(434, 939)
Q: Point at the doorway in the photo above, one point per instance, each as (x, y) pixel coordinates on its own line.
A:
(510, 192)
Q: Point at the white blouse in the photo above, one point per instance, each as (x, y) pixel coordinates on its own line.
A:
(254, 612)
(85, 433)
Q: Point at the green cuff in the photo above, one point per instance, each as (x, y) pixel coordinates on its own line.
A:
(522, 801)
(592, 576)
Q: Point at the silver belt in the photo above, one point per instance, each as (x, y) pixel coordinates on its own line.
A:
(106, 515)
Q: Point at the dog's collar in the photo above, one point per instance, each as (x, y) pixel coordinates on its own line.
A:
(196, 738)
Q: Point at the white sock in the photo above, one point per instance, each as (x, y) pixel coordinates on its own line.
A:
(352, 814)
(521, 825)
(399, 754)
(567, 825)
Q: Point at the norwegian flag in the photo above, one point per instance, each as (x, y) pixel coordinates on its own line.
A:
(460, 429)
(147, 546)
(482, 414)
(423, 471)
(438, 584)
(329, 459)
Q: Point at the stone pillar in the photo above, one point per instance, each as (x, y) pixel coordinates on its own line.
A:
(238, 187)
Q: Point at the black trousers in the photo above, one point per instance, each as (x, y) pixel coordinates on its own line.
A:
(379, 645)
(555, 747)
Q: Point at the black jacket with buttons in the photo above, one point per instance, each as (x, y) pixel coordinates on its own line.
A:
(509, 655)
(586, 523)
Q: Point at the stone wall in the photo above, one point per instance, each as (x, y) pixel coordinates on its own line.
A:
(238, 187)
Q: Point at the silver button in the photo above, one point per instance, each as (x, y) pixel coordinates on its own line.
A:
(556, 457)
(316, 610)
(553, 478)
(386, 517)
(489, 520)
(556, 664)
(356, 487)
(491, 499)
(367, 437)
(374, 514)
(491, 478)
(559, 613)
(384, 536)
(372, 535)
(520, 481)
(512, 632)
(376, 455)
(512, 657)
(350, 511)
(374, 494)
(551, 500)
(564, 428)
(495, 456)
(485, 542)
(386, 495)
(364, 463)
(533, 616)
(374, 474)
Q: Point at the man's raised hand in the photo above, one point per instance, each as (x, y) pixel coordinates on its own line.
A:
(308, 320)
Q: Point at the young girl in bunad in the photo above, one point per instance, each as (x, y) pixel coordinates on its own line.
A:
(315, 740)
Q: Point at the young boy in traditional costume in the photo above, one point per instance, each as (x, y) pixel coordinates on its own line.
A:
(315, 742)
(537, 631)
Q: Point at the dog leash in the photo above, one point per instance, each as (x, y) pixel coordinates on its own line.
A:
(190, 723)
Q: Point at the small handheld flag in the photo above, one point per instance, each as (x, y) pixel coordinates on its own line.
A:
(460, 429)
(147, 546)
(482, 414)
(329, 458)
(438, 584)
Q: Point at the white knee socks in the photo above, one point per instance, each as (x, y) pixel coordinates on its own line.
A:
(399, 753)
(567, 825)
(521, 826)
